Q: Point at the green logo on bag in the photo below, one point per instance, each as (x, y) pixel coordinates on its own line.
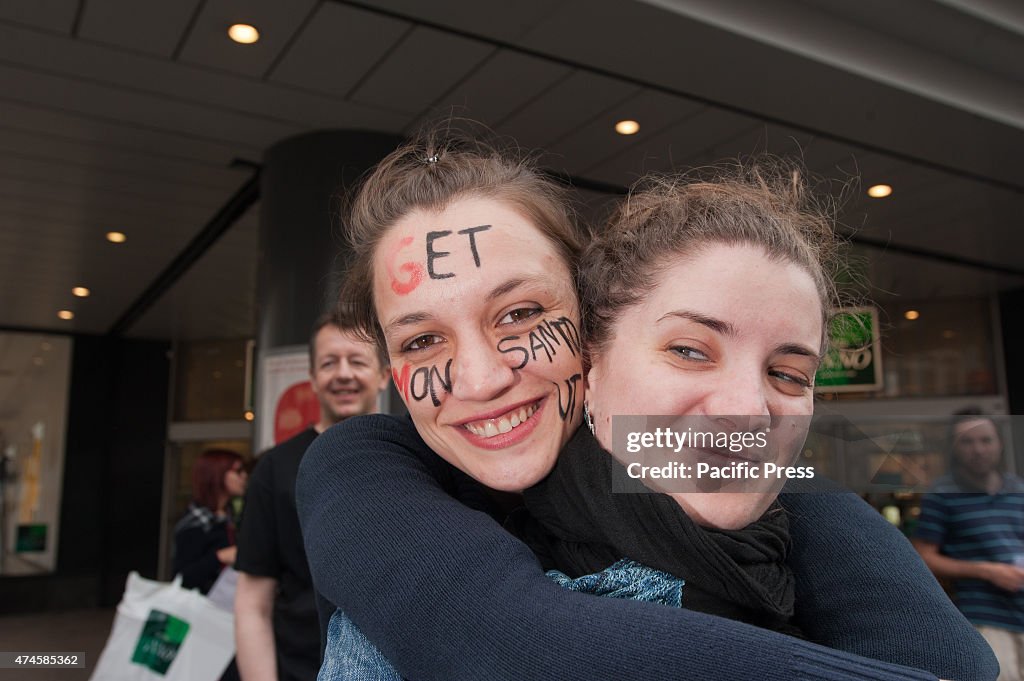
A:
(160, 640)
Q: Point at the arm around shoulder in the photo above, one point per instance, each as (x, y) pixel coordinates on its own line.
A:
(861, 587)
(445, 593)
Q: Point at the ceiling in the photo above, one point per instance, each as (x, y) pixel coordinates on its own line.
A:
(132, 116)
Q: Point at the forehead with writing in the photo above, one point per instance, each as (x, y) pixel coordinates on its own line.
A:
(476, 249)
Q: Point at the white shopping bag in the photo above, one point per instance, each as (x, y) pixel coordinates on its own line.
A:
(222, 593)
(164, 632)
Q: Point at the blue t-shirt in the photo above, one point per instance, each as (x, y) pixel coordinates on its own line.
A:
(977, 526)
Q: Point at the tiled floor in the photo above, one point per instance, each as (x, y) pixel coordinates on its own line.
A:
(79, 631)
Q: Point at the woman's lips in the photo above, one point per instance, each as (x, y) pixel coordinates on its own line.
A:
(503, 424)
(489, 433)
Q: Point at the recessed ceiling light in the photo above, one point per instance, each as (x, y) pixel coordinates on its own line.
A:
(243, 33)
(879, 191)
(627, 127)
(80, 291)
(66, 314)
(249, 416)
(116, 237)
(911, 314)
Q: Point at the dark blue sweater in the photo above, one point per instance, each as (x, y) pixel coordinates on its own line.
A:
(448, 595)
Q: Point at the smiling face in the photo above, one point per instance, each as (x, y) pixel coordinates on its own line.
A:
(728, 336)
(480, 318)
(346, 375)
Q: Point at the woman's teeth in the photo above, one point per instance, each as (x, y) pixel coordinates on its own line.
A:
(492, 427)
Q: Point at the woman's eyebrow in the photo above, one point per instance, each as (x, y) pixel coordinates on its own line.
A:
(796, 349)
(408, 320)
(716, 325)
(512, 284)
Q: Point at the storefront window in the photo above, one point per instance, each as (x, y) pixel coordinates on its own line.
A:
(935, 348)
(34, 377)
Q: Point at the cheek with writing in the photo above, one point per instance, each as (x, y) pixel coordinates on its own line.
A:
(567, 396)
(426, 381)
(402, 380)
(544, 342)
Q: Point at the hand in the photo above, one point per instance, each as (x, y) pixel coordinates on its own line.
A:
(1007, 577)
(228, 554)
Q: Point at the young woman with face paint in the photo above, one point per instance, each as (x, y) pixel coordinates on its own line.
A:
(466, 260)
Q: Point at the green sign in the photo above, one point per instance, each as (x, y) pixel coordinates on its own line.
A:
(161, 637)
(853, 362)
(30, 539)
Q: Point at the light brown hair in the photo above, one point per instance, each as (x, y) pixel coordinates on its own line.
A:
(765, 203)
(439, 166)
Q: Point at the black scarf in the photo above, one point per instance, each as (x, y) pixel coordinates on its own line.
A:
(579, 526)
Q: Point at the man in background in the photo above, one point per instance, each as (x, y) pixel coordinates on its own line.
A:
(971, 531)
(277, 631)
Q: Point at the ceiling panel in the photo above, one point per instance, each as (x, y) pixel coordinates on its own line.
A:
(150, 111)
(45, 282)
(665, 48)
(25, 145)
(90, 212)
(152, 27)
(136, 178)
(501, 85)
(958, 34)
(597, 142)
(576, 101)
(45, 122)
(118, 183)
(52, 15)
(502, 20)
(51, 238)
(336, 50)
(216, 298)
(208, 44)
(419, 70)
(177, 85)
(677, 148)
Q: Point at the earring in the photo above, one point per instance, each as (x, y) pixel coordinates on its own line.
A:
(587, 419)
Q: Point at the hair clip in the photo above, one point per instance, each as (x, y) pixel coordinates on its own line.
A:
(432, 159)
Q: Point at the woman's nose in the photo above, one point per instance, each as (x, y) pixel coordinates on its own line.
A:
(479, 371)
(738, 397)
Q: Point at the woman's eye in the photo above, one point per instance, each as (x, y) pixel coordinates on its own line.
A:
(520, 314)
(787, 377)
(686, 352)
(421, 342)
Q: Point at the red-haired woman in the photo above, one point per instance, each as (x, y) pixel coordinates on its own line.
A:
(204, 539)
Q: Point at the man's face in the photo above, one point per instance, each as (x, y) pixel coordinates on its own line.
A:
(346, 375)
(976, 446)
